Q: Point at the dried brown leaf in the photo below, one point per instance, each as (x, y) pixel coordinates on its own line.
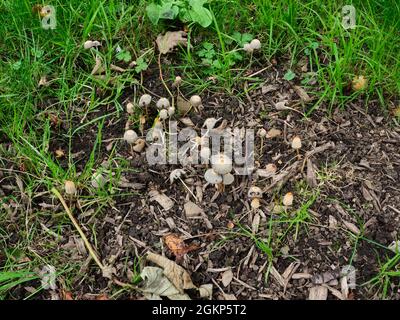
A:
(227, 277)
(302, 94)
(318, 293)
(170, 40)
(177, 246)
(175, 273)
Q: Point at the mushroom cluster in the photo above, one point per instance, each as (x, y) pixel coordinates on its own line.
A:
(219, 174)
(255, 194)
(134, 141)
(165, 108)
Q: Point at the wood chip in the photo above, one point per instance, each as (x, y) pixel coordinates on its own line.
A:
(192, 210)
(318, 293)
(311, 176)
(161, 199)
(302, 94)
(273, 133)
(352, 227)
(227, 277)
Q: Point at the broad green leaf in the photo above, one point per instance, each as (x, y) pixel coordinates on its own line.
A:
(166, 11)
(153, 12)
(289, 75)
(184, 15)
(201, 15)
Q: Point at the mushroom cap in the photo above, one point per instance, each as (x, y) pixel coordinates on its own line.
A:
(130, 107)
(177, 82)
(195, 101)
(262, 133)
(221, 163)
(171, 111)
(228, 179)
(205, 153)
(176, 174)
(69, 187)
(287, 199)
(130, 136)
(212, 177)
(163, 114)
(139, 145)
(98, 180)
(255, 192)
(296, 143)
(255, 44)
(90, 44)
(163, 103)
(144, 100)
(248, 48)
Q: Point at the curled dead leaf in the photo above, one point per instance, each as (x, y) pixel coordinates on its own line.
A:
(179, 277)
(177, 246)
(170, 40)
(273, 133)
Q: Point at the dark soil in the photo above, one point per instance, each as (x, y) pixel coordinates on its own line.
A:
(358, 184)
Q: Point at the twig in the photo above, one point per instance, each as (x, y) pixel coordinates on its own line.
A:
(162, 79)
(76, 225)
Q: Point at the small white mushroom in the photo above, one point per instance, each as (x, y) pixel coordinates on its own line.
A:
(70, 188)
(139, 145)
(287, 199)
(221, 163)
(171, 111)
(212, 177)
(163, 114)
(248, 48)
(262, 133)
(228, 179)
(177, 82)
(255, 44)
(195, 101)
(130, 108)
(296, 143)
(176, 174)
(130, 136)
(90, 44)
(144, 100)
(163, 103)
(98, 180)
(255, 194)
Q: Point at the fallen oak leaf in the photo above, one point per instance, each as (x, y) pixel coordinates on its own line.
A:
(170, 40)
(175, 273)
(156, 285)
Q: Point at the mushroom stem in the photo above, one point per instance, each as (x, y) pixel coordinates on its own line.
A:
(162, 79)
(261, 146)
(188, 189)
